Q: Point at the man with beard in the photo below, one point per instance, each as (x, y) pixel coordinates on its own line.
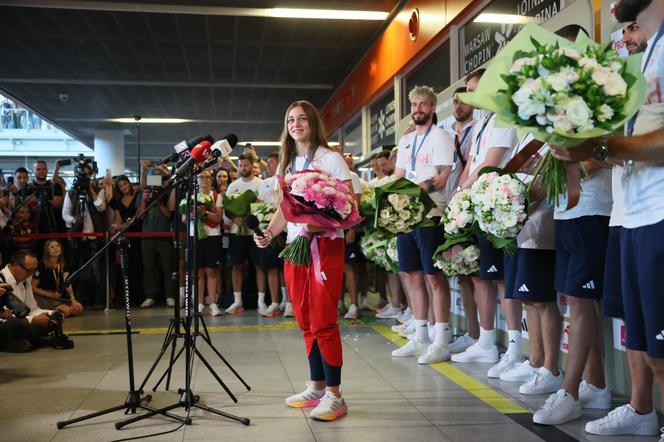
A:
(241, 247)
(50, 198)
(425, 156)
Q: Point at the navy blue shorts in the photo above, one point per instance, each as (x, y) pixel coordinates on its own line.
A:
(642, 262)
(491, 260)
(354, 251)
(612, 301)
(529, 275)
(580, 256)
(207, 252)
(241, 249)
(268, 258)
(416, 249)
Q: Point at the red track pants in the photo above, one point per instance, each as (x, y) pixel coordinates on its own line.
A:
(315, 305)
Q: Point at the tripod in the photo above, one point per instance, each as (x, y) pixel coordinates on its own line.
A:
(187, 398)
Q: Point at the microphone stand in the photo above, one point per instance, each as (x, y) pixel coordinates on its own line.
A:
(134, 401)
(187, 398)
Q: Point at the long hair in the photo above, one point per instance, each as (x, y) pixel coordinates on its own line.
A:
(288, 150)
(61, 259)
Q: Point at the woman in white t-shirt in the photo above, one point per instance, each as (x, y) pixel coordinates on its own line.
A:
(303, 146)
(209, 208)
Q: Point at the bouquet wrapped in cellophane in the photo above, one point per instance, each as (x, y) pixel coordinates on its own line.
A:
(238, 205)
(562, 92)
(401, 206)
(313, 197)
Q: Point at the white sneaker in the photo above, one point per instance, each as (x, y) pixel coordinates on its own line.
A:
(507, 361)
(282, 306)
(271, 311)
(352, 313)
(559, 408)
(262, 307)
(366, 305)
(235, 308)
(329, 408)
(476, 353)
(389, 312)
(406, 316)
(214, 310)
(461, 344)
(542, 383)
(519, 373)
(434, 354)
(201, 308)
(288, 310)
(624, 421)
(593, 397)
(410, 349)
(149, 302)
(170, 302)
(409, 329)
(308, 398)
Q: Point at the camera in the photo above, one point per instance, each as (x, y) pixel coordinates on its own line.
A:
(59, 339)
(13, 303)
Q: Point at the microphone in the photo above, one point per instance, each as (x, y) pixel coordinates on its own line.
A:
(183, 149)
(252, 223)
(199, 153)
(219, 149)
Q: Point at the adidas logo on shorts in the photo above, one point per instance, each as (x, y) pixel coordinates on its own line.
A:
(492, 269)
(590, 285)
(352, 255)
(660, 336)
(524, 288)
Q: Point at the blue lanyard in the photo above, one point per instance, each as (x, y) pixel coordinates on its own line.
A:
(465, 134)
(479, 135)
(660, 34)
(307, 161)
(416, 150)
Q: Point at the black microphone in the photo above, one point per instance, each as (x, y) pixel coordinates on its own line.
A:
(252, 223)
(183, 148)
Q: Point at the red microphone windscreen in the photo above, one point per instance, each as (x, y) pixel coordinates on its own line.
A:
(201, 151)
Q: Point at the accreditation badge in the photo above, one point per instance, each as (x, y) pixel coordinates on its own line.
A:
(411, 176)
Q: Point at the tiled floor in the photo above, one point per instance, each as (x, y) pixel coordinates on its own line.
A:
(388, 399)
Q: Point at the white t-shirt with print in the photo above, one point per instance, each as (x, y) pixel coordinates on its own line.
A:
(437, 149)
(486, 137)
(239, 186)
(644, 181)
(269, 191)
(325, 160)
(594, 199)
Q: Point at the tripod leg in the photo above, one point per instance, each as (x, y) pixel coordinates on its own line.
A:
(244, 420)
(169, 337)
(170, 366)
(230, 367)
(150, 413)
(216, 376)
(63, 424)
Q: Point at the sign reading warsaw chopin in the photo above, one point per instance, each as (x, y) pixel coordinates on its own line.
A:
(480, 42)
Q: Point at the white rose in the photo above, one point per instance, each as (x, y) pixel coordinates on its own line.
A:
(605, 113)
(578, 112)
(571, 53)
(531, 108)
(521, 96)
(615, 85)
(588, 62)
(601, 76)
(563, 124)
(558, 82)
(520, 63)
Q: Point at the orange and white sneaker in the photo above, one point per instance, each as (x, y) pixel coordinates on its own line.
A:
(271, 311)
(308, 398)
(329, 408)
(234, 309)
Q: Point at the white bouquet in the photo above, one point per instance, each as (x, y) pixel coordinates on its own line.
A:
(401, 206)
(459, 215)
(499, 203)
(459, 260)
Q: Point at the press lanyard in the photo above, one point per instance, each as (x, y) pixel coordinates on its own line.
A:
(416, 150)
(479, 135)
(307, 161)
(632, 121)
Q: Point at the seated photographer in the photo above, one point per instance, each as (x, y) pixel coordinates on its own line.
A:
(16, 335)
(48, 282)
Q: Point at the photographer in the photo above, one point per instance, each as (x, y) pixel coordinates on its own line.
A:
(83, 211)
(156, 251)
(49, 196)
(20, 192)
(18, 275)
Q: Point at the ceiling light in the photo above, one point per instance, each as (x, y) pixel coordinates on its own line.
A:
(150, 120)
(329, 14)
(503, 18)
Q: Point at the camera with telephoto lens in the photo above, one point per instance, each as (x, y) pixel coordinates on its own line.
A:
(59, 339)
(83, 172)
(13, 303)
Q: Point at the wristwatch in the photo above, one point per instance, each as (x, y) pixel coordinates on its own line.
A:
(601, 151)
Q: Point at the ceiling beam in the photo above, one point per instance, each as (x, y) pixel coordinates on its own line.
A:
(151, 83)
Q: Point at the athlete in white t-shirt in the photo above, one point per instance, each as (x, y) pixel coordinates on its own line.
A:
(425, 156)
(492, 146)
(314, 303)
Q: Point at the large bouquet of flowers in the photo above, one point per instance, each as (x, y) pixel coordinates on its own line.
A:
(367, 208)
(312, 197)
(208, 202)
(380, 250)
(459, 216)
(264, 212)
(562, 92)
(238, 205)
(401, 206)
(499, 203)
(461, 259)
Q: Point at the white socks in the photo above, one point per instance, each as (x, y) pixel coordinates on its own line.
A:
(487, 338)
(261, 297)
(441, 334)
(421, 330)
(238, 298)
(514, 346)
(284, 295)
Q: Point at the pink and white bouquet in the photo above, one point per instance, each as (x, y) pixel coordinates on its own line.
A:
(459, 215)
(499, 203)
(313, 197)
(462, 259)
